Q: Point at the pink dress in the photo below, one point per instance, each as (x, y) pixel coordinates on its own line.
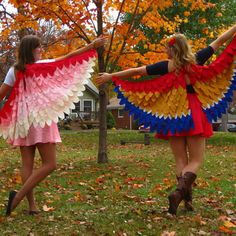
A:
(47, 134)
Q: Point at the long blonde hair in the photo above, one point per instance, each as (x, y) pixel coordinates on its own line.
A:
(181, 53)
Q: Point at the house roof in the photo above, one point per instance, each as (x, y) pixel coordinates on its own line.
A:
(90, 86)
(114, 103)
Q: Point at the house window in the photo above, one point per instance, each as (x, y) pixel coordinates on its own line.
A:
(87, 109)
(87, 106)
(77, 107)
(121, 113)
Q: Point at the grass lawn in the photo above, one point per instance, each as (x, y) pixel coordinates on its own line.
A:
(127, 196)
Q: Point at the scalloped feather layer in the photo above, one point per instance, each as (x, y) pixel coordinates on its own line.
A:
(44, 93)
(161, 102)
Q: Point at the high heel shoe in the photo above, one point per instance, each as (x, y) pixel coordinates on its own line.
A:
(11, 197)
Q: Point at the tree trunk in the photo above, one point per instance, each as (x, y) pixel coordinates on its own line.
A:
(224, 122)
(102, 151)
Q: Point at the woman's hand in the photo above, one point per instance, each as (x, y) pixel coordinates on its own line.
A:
(100, 41)
(102, 78)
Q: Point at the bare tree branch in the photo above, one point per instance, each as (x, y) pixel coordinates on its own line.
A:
(83, 35)
(86, 5)
(125, 37)
(113, 33)
(130, 29)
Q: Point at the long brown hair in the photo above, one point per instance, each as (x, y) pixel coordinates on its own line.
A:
(182, 55)
(25, 51)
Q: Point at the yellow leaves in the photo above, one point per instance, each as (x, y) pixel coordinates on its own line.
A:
(228, 225)
(198, 4)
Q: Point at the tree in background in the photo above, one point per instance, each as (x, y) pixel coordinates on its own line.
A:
(137, 30)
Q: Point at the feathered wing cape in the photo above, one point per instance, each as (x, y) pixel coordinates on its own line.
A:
(162, 103)
(44, 92)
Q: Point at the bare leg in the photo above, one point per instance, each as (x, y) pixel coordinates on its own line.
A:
(178, 146)
(28, 154)
(196, 148)
(48, 155)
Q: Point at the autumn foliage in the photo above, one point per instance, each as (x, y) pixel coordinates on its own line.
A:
(137, 28)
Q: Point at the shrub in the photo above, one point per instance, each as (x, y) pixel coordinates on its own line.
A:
(110, 120)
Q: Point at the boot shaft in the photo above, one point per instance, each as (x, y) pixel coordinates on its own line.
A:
(185, 182)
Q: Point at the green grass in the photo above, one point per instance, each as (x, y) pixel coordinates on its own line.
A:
(126, 196)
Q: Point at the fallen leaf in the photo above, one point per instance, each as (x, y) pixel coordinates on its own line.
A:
(157, 218)
(225, 230)
(78, 197)
(229, 212)
(223, 218)
(229, 224)
(167, 233)
(117, 187)
(135, 186)
(201, 232)
(81, 223)
(17, 178)
(199, 220)
(100, 180)
(46, 208)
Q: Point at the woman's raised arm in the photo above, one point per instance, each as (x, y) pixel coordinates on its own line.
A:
(223, 38)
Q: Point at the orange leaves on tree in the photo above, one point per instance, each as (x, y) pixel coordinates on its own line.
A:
(187, 13)
(202, 20)
(79, 19)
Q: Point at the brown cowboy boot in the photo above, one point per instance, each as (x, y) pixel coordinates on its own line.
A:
(181, 191)
(188, 197)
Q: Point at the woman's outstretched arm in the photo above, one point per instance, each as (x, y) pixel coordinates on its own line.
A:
(105, 77)
(96, 43)
(223, 38)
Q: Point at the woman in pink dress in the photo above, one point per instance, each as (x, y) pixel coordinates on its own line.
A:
(29, 128)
